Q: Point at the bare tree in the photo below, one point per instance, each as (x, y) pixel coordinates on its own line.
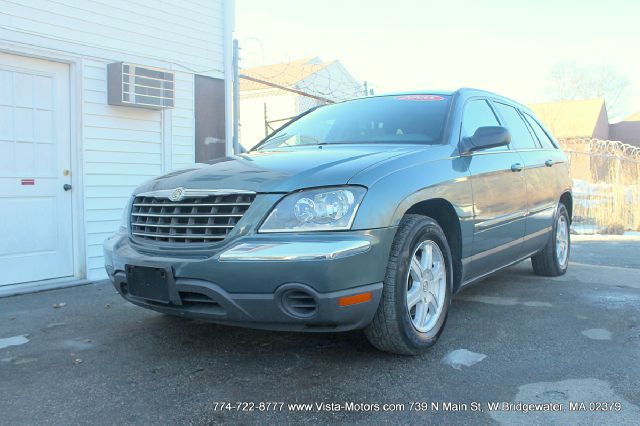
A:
(572, 81)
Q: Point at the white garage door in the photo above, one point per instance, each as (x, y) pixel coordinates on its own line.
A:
(36, 224)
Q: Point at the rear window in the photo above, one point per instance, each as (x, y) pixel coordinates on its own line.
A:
(385, 119)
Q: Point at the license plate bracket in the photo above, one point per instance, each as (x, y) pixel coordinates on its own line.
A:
(148, 282)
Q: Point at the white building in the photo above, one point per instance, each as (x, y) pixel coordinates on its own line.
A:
(69, 158)
(263, 107)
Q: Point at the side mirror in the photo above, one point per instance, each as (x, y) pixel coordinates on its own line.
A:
(485, 138)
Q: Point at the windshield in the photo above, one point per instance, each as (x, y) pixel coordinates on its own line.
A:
(385, 119)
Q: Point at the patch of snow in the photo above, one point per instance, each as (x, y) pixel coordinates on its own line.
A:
(584, 228)
(462, 357)
(13, 341)
(536, 304)
(597, 334)
(628, 236)
(56, 324)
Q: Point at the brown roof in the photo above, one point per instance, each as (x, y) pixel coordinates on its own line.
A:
(284, 74)
(576, 118)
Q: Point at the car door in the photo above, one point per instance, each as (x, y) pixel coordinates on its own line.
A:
(543, 186)
(499, 196)
(540, 182)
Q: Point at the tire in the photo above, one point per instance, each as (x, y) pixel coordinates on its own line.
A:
(553, 260)
(394, 328)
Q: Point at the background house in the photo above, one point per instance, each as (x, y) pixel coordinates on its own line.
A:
(587, 119)
(313, 82)
(69, 157)
(574, 119)
(627, 130)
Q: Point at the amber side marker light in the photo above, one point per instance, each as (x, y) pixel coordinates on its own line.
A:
(355, 299)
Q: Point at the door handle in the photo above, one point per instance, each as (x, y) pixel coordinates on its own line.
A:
(517, 167)
(66, 187)
(549, 163)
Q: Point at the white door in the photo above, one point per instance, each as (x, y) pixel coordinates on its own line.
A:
(35, 210)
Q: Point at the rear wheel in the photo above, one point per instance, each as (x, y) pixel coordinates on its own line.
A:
(416, 292)
(553, 260)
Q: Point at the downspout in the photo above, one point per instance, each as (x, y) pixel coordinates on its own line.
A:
(228, 6)
(236, 98)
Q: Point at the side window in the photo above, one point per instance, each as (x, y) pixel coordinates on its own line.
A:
(544, 139)
(521, 138)
(477, 113)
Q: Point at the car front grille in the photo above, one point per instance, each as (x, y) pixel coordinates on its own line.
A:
(197, 219)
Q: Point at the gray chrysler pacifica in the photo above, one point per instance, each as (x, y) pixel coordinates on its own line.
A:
(367, 214)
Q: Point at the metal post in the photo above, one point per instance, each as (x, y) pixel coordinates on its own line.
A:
(266, 121)
(228, 76)
(236, 98)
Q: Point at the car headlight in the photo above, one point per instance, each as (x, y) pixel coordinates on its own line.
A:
(322, 209)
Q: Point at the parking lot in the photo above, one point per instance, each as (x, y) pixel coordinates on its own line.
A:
(92, 357)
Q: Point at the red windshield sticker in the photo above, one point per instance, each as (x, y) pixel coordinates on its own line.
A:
(420, 98)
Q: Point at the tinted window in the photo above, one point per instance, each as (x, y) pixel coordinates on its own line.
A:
(477, 113)
(385, 119)
(544, 139)
(521, 138)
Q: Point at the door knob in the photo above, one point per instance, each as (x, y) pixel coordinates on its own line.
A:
(517, 167)
(66, 187)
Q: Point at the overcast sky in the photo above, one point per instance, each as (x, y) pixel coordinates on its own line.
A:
(503, 46)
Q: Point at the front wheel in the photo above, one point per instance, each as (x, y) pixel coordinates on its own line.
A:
(417, 289)
(553, 260)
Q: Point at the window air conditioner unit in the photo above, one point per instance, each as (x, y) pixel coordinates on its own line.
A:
(141, 87)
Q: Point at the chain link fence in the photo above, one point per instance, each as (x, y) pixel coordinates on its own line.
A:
(606, 179)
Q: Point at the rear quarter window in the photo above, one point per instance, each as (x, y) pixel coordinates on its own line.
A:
(542, 136)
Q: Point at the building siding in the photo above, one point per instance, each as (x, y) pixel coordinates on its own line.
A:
(188, 34)
(626, 132)
(122, 147)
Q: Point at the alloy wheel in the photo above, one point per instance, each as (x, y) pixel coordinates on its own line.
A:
(562, 240)
(426, 286)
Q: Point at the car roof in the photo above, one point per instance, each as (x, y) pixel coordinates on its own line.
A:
(465, 92)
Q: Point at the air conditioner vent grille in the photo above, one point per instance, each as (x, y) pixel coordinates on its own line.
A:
(138, 86)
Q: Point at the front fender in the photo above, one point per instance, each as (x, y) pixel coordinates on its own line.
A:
(392, 192)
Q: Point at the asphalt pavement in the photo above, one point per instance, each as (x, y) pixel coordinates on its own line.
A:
(83, 355)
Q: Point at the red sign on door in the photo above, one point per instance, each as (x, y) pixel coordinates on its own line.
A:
(27, 182)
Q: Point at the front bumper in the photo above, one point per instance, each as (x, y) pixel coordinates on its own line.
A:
(251, 281)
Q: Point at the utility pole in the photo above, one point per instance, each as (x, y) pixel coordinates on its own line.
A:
(236, 98)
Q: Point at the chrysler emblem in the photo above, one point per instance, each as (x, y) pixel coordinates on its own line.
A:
(177, 194)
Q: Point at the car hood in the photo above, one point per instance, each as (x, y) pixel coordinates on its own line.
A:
(282, 170)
